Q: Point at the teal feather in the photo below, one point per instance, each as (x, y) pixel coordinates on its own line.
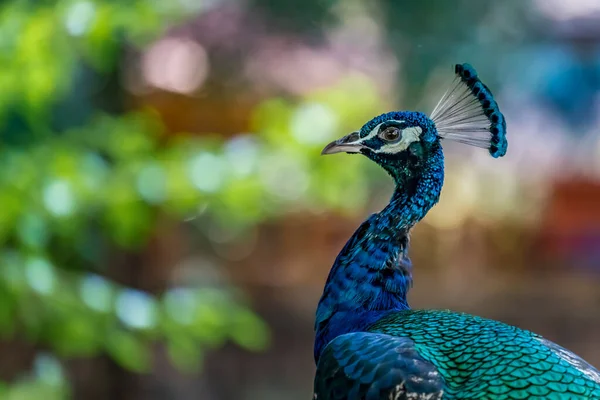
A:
(369, 344)
(469, 114)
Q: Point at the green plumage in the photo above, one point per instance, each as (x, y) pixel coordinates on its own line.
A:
(485, 359)
(443, 355)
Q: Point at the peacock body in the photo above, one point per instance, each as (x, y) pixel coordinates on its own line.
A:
(369, 344)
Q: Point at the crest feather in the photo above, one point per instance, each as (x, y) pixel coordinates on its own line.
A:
(467, 113)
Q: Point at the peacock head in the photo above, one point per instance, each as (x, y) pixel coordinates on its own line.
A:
(467, 113)
(390, 138)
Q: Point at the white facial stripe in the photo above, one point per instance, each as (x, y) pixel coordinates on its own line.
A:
(409, 135)
(373, 132)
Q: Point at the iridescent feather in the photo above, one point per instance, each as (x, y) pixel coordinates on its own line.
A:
(468, 113)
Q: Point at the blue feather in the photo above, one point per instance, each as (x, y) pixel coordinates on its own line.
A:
(469, 114)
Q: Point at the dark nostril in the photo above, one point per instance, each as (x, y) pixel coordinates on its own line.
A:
(354, 136)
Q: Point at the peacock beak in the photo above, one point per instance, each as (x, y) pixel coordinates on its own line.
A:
(349, 144)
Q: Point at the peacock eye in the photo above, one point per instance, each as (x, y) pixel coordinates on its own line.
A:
(390, 134)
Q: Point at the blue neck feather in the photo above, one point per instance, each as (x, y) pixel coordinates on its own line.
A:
(372, 274)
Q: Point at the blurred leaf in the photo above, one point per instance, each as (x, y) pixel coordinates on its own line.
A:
(185, 352)
(77, 337)
(46, 380)
(128, 351)
(249, 331)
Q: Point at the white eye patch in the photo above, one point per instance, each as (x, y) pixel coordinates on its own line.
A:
(374, 132)
(409, 135)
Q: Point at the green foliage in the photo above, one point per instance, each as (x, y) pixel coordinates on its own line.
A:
(69, 198)
(72, 196)
(46, 380)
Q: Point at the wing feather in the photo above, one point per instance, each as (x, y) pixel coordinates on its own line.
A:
(375, 366)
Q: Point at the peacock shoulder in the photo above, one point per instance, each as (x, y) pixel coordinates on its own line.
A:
(482, 357)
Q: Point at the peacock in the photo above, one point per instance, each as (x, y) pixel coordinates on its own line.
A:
(369, 344)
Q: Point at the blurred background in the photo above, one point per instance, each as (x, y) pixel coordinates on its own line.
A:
(167, 223)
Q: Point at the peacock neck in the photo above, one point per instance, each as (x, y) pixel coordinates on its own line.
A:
(419, 180)
(372, 274)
